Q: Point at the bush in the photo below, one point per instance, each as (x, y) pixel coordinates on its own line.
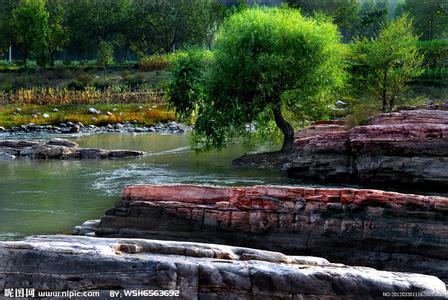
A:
(105, 54)
(81, 81)
(6, 87)
(154, 63)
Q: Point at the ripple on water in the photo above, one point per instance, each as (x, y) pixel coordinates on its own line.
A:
(11, 236)
(111, 182)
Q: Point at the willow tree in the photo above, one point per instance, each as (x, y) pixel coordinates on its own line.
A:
(265, 61)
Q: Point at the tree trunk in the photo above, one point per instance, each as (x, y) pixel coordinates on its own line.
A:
(286, 128)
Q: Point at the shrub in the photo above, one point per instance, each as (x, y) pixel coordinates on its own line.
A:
(105, 54)
(81, 81)
(154, 63)
(387, 63)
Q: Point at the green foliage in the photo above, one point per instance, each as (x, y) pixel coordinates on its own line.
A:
(30, 21)
(154, 62)
(186, 86)
(57, 32)
(430, 17)
(105, 54)
(6, 24)
(372, 14)
(435, 53)
(343, 12)
(264, 60)
(386, 64)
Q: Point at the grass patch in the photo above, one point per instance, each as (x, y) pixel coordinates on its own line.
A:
(142, 114)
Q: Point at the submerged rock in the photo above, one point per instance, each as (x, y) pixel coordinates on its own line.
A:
(60, 149)
(385, 230)
(6, 156)
(404, 148)
(196, 271)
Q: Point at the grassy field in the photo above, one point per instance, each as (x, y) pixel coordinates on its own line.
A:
(142, 114)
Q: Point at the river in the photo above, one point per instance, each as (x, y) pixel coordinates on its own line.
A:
(48, 197)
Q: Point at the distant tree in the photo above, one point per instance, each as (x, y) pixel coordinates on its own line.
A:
(57, 33)
(387, 63)
(105, 54)
(164, 26)
(343, 12)
(30, 19)
(430, 17)
(7, 37)
(264, 62)
(91, 21)
(372, 14)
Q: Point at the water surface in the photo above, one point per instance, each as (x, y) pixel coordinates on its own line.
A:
(47, 197)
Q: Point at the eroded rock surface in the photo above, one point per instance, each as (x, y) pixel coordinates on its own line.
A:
(404, 148)
(386, 230)
(198, 271)
(58, 149)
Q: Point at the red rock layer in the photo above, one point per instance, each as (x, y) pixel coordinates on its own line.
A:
(387, 230)
(404, 148)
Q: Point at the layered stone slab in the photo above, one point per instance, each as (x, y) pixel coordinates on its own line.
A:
(386, 230)
(404, 148)
(196, 271)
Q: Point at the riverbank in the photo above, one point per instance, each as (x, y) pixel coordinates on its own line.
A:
(87, 114)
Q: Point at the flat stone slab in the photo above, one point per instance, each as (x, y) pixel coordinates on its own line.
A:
(57, 149)
(197, 271)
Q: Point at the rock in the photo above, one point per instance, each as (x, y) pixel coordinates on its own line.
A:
(340, 103)
(70, 124)
(92, 111)
(80, 124)
(45, 116)
(55, 110)
(405, 148)
(62, 142)
(87, 228)
(34, 116)
(18, 110)
(6, 156)
(197, 271)
(397, 232)
(118, 126)
(60, 149)
(74, 129)
(108, 113)
(109, 126)
(114, 109)
(124, 153)
(93, 119)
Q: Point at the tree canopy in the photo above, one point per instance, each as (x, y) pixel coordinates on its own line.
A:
(388, 62)
(264, 61)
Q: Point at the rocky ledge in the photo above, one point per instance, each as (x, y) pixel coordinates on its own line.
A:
(404, 148)
(57, 149)
(384, 230)
(197, 271)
